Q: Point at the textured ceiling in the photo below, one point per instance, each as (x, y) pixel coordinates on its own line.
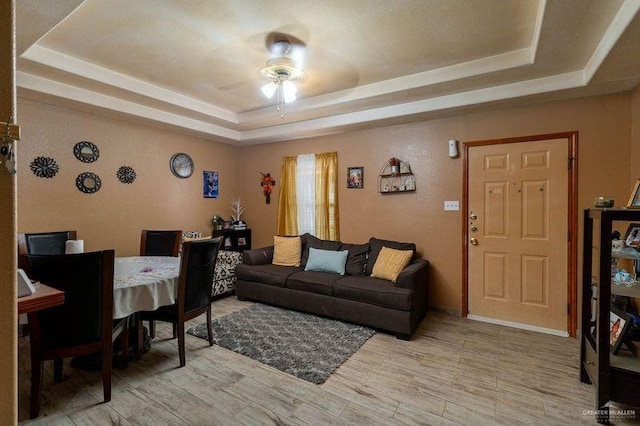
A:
(193, 66)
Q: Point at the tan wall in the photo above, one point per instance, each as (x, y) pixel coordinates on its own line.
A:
(114, 216)
(604, 151)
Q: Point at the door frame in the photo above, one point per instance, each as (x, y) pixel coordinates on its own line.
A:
(572, 219)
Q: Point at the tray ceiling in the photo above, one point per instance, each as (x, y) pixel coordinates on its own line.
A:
(193, 66)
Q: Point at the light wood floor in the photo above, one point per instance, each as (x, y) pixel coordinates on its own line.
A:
(453, 371)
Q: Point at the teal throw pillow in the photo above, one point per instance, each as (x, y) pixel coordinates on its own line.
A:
(326, 260)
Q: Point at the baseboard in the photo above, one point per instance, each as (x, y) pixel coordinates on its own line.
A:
(511, 324)
(445, 310)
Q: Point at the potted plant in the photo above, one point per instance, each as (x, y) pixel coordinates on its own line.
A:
(217, 222)
(394, 165)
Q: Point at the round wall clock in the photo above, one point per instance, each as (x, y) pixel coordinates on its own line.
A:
(181, 165)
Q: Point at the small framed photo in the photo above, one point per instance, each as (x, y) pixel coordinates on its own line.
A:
(355, 177)
(632, 237)
(227, 242)
(242, 241)
(634, 200)
(619, 323)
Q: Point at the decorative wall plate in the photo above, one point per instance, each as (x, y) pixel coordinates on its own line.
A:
(44, 167)
(86, 152)
(181, 165)
(126, 174)
(88, 182)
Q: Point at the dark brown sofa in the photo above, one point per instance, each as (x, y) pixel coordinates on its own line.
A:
(355, 297)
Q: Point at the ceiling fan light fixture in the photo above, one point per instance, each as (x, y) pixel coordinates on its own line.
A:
(281, 74)
(289, 91)
(280, 69)
(269, 89)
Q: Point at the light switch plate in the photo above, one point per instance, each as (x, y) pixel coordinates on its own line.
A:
(451, 205)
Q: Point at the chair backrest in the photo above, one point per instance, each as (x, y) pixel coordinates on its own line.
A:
(160, 243)
(87, 313)
(42, 243)
(196, 273)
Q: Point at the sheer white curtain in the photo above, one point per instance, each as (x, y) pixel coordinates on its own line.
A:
(306, 193)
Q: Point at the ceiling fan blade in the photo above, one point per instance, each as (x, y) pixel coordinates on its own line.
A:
(234, 86)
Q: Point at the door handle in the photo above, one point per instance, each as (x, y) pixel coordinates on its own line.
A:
(474, 241)
(473, 216)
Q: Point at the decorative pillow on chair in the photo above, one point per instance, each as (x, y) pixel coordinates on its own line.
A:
(390, 263)
(326, 260)
(286, 251)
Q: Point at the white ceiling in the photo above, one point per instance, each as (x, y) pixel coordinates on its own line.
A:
(193, 65)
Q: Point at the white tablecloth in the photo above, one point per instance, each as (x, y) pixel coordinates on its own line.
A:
(144, 283)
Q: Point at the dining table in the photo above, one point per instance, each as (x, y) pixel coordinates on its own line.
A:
(144, 283)
(43, 298)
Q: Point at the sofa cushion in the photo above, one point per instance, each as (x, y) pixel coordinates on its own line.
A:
(313, 282)
(357, 259)
(286, 251)
(373, 291)
(326, 261)
(377, 244)
(266, 274)
(390, 263)
(309, 240)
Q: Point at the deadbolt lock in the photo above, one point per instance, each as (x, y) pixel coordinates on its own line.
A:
(473, 216)
(474, 229)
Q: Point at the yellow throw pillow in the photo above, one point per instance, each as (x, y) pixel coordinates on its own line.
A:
(287, 251)
(390, 263)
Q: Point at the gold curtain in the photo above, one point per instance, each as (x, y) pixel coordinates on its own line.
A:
(326, 185)
(287, 203)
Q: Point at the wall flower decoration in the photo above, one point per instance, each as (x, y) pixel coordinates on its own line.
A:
(44, 167)
(126, 174)
(267, 183)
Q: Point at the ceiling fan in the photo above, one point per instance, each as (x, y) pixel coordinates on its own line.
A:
(284, 68)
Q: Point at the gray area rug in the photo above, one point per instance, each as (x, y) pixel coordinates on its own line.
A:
(306, 346)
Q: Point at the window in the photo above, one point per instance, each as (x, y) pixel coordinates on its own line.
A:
(308, 199)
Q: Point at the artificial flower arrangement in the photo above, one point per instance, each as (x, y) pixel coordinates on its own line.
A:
(267, 182)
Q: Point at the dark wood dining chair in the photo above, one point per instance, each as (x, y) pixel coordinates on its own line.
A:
(194, 291)
(82, 325)
(160, 243)
(42, 243)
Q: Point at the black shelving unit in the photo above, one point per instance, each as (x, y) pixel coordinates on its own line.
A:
(616, 377)
(234, 239)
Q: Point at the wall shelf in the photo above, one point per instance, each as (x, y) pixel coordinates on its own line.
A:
(394, 182)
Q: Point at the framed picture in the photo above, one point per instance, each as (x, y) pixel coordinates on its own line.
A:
(619, 323)
(227, 242)
(634, 200)
(632, 237)
(355, 177)
(242, 241)
(209, 184)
